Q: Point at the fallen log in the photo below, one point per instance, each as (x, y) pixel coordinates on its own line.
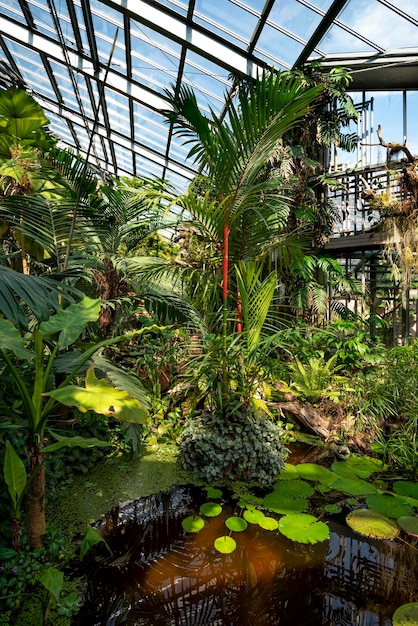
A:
(308, 415)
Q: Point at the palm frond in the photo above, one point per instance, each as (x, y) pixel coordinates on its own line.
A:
(23, 295)
(256, 297)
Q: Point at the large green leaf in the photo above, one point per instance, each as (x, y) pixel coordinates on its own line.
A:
(406, 488)
(312, 471)
(75, 442)
(40, 294)
(391, 506)
(278, 503)
(303, 528)
(99, 396)
(294, 489)
(406, 615)
(23, 113)
(90, 539)
(353, 486)
(53, 581)
(11, 339)
(372, 524)
(71, 322)
(14, 473)
(409, 524)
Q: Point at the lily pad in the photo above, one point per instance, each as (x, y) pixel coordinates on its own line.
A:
(332, 508)
(392, 506)
(210, 509)
(372, 524)
(225, 544)
(354, 486)
(237, 524)
(253, 516)
(342, 468)
(193, 524)
(294, 488)
(268, 523)
(213, 493)
(406, 488)
(409, 524)
(280, 504)
(406, 615)
(312, 471)
(303, 528)
(363, 466)
(288, 472)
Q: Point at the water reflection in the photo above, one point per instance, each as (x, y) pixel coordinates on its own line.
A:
(160, 576)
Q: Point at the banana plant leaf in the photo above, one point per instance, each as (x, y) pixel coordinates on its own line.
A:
(10, 339)
(75, 442)
(99, 396)
(70, 322)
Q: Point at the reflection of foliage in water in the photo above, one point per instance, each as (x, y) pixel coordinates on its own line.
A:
(159, 575)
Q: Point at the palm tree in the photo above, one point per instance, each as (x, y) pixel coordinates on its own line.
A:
(245, 208)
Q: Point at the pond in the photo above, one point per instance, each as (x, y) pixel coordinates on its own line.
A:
(160, 575)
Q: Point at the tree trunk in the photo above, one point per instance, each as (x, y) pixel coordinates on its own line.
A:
(35, 496)
(308, 415)
(16, 534)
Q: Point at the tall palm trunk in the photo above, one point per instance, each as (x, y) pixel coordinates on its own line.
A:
(35, 497)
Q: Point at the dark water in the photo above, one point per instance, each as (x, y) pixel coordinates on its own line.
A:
(160, 576)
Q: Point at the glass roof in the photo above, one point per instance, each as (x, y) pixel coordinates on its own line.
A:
(99, 68)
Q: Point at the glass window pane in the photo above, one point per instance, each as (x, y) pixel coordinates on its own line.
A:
(379, 24)
(225, 18)
(294, 18)
(154, 58)
(412, 121)
(277, 48)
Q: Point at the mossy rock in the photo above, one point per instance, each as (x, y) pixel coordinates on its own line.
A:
(372, 524)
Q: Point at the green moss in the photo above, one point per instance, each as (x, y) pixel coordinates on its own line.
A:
(114, 481)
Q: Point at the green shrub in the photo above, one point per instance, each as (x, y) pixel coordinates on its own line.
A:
(242, 447)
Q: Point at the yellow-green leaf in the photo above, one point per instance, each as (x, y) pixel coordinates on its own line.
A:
(99, 396)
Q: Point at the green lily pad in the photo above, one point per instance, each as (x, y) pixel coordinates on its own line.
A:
(406, 615)
(363, 466)
(332, 508)
(253, 516)
(392, 506)
(268, 523)
(303, 528)
(354, 486)
(225, 544)
(237, 524)
(280, 504)
(342, 468)
(312, 471)
(213, 493)
(372, 524)
(247, 499)
(288, 472)
(406, 488)
(323, 488)
(294, 488)
(210, 509)
(409, 524)
(193, 524)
